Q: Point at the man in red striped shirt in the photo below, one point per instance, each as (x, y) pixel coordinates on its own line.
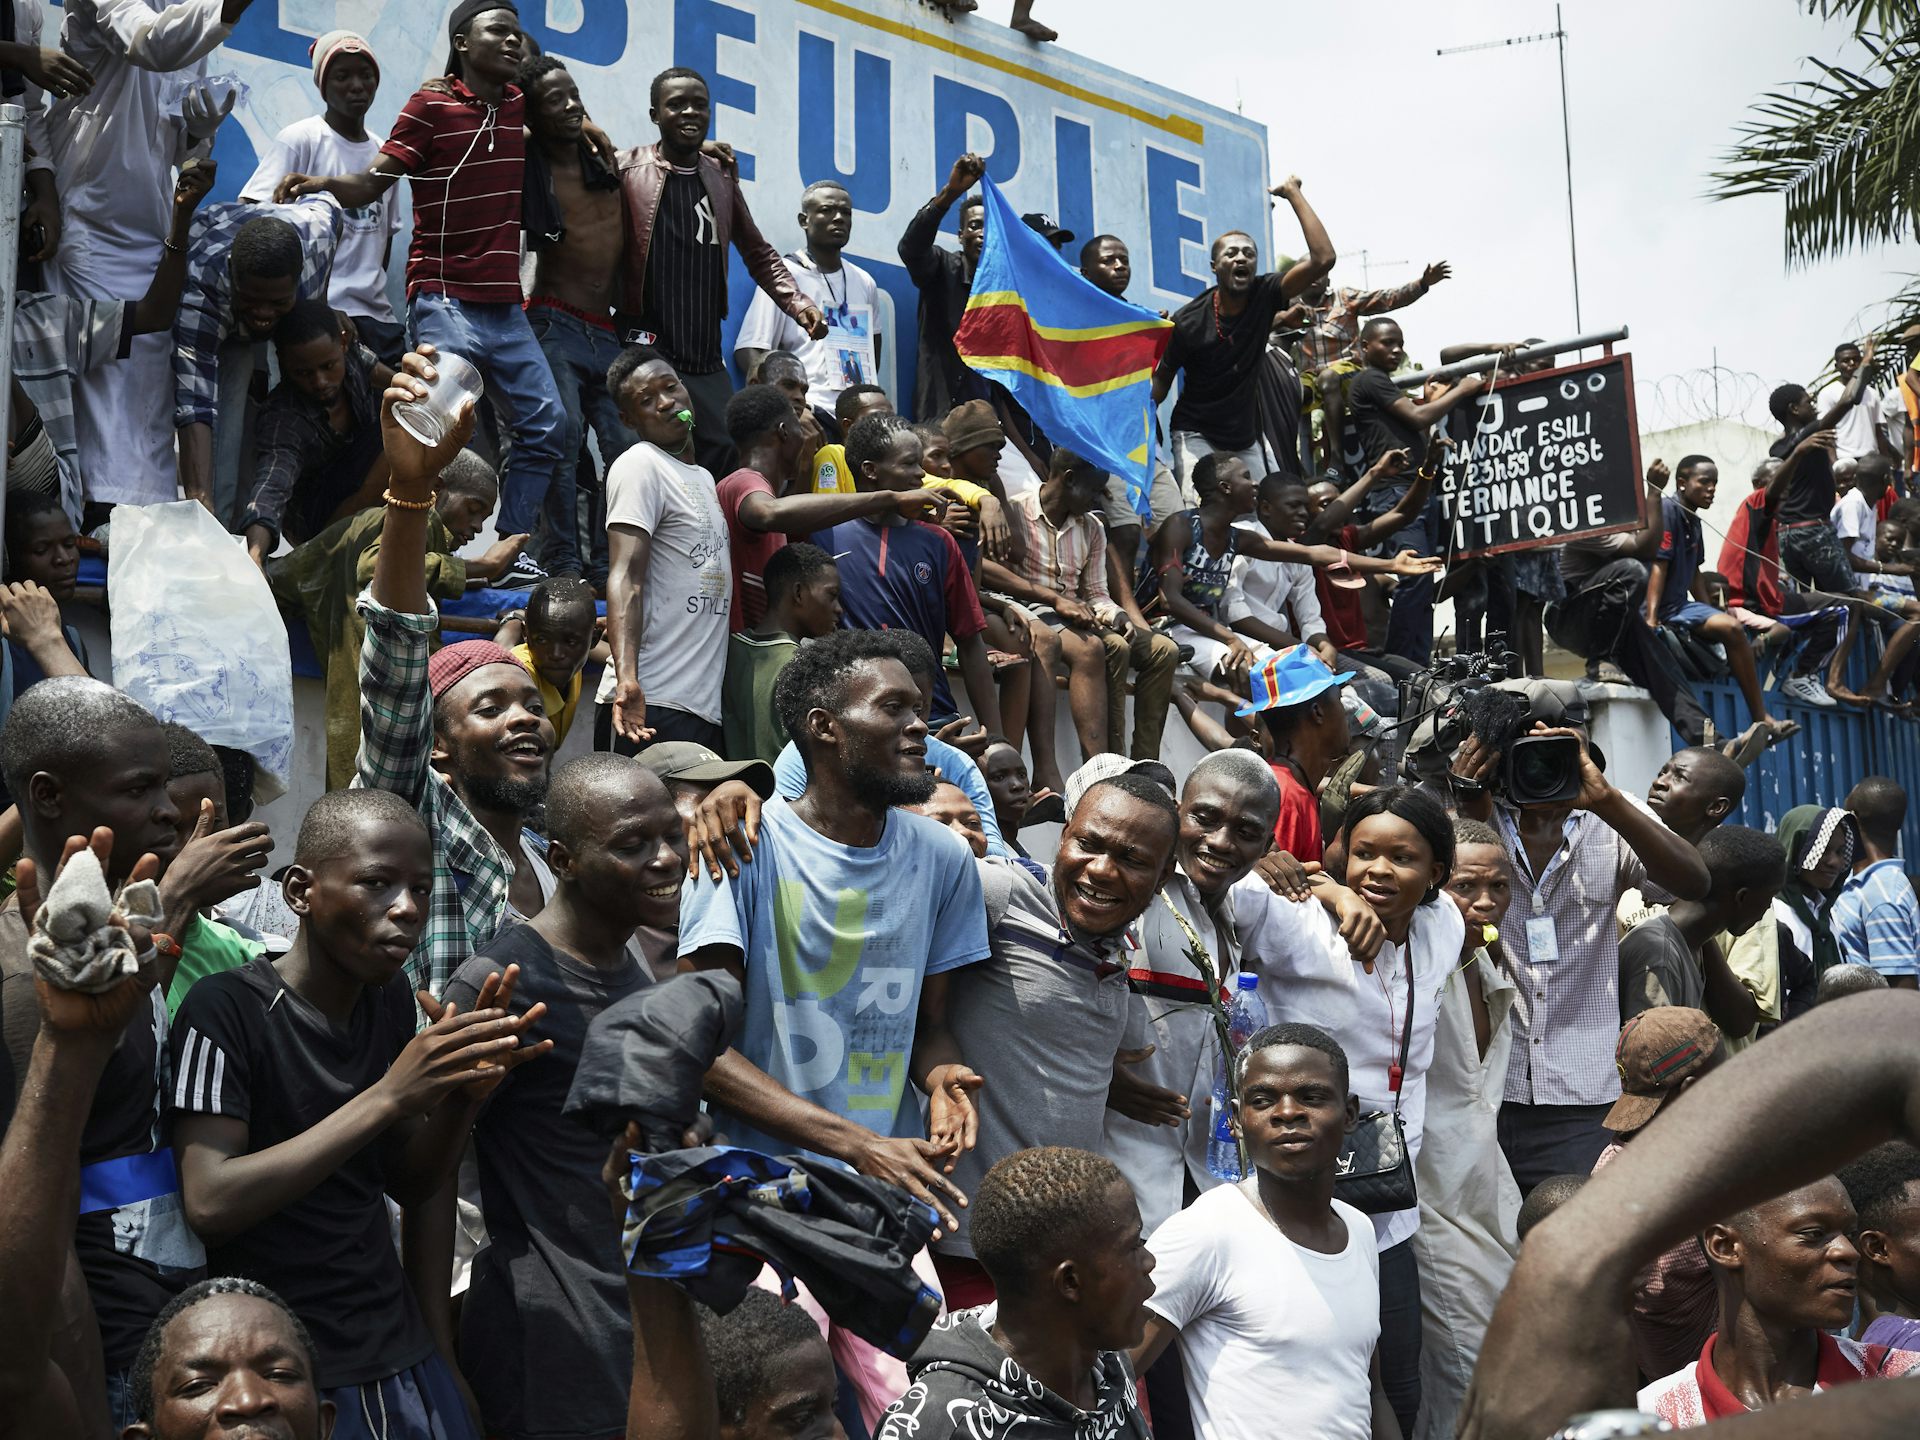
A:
(462, 144)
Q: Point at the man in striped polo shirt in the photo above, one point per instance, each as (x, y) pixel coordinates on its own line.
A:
(461, 143)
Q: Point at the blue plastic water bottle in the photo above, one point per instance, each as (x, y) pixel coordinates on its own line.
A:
(1223, 1151)
(1247, 1015)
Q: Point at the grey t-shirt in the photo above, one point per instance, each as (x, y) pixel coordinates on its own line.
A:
(545, 1339)
(1658, 967)
(1041, 1020)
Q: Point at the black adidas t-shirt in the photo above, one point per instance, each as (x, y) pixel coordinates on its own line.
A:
(247, 1047)
(686, 281)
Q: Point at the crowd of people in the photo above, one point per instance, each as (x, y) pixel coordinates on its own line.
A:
(1229, 1109)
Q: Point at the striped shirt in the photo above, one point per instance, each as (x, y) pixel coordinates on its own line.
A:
(467, 161)
(1070, 559)
(56, 340)
(686, 276)
(1877, 920)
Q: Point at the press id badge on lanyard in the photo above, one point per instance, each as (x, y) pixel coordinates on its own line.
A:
(1543, 946)
(850, 341)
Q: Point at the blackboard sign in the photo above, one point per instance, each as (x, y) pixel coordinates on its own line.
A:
(1545, 458)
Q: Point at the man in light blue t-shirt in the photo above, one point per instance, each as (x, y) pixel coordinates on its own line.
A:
(953, 763)
(842, 931)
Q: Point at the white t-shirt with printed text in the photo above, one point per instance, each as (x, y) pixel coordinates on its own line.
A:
(683, 649)
(849, 354)
(313, 147)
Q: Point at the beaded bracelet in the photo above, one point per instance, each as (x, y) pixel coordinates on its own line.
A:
(398, 504)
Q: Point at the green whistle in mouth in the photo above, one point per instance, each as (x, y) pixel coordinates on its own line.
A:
(685, 417)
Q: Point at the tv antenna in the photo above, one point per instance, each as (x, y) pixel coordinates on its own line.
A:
(1559, 36)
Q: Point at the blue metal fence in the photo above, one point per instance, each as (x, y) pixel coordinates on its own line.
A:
(1835, 748)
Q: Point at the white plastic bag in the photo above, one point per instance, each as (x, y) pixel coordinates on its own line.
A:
(197, 638)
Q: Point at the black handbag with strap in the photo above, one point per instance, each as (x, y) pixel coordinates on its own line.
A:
(1374, 1172)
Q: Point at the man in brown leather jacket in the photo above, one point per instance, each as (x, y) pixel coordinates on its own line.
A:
(683, 209)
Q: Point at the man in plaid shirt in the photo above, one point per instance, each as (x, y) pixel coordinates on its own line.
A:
(472, 703)
(1329, 341)
(462, 733)
(246, 267)
(1338, 311)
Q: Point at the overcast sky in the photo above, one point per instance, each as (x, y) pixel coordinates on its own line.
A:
(1414, 157)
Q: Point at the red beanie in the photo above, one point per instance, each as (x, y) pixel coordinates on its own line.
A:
(452, 664)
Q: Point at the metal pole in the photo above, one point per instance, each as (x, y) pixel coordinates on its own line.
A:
(1479, 363)
(1566, 145)
(13, 159)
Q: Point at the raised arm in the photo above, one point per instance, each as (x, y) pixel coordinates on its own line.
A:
(168, 39)
(1645, 541)
(1389, 466)
(1850, 396)
(1783, 474)
(160, 306)
(671, 1394)
(1671, 862)
(1379, 302)
(923, 230)
(399, 581)
(1558, 1343)
(1333, 515)
(40, 1174)
(1320, 252)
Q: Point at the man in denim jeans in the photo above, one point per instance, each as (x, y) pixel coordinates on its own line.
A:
(460, 141)
(575, 231)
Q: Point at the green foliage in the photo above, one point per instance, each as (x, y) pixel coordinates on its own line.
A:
(1842, 148)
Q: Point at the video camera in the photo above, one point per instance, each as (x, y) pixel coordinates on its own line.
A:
(1482, 696)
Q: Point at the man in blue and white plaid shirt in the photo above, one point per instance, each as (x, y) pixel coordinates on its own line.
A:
(246, 267)
(1876, 918)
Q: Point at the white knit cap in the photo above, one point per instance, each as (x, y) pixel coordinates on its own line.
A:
(334, 44)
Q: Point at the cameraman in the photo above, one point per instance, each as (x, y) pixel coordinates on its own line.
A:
(1572, 860)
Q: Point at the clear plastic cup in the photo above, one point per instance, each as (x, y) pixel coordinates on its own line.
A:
(429, 419)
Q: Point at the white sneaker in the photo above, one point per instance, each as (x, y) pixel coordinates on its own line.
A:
(1808, 690)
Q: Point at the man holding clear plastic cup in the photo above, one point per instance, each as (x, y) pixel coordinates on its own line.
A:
(462, 144)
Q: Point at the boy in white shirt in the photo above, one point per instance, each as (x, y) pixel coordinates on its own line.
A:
(338, 142)
(1271, 1287)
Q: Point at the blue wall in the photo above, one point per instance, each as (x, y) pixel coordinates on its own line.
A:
(1834, 750)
